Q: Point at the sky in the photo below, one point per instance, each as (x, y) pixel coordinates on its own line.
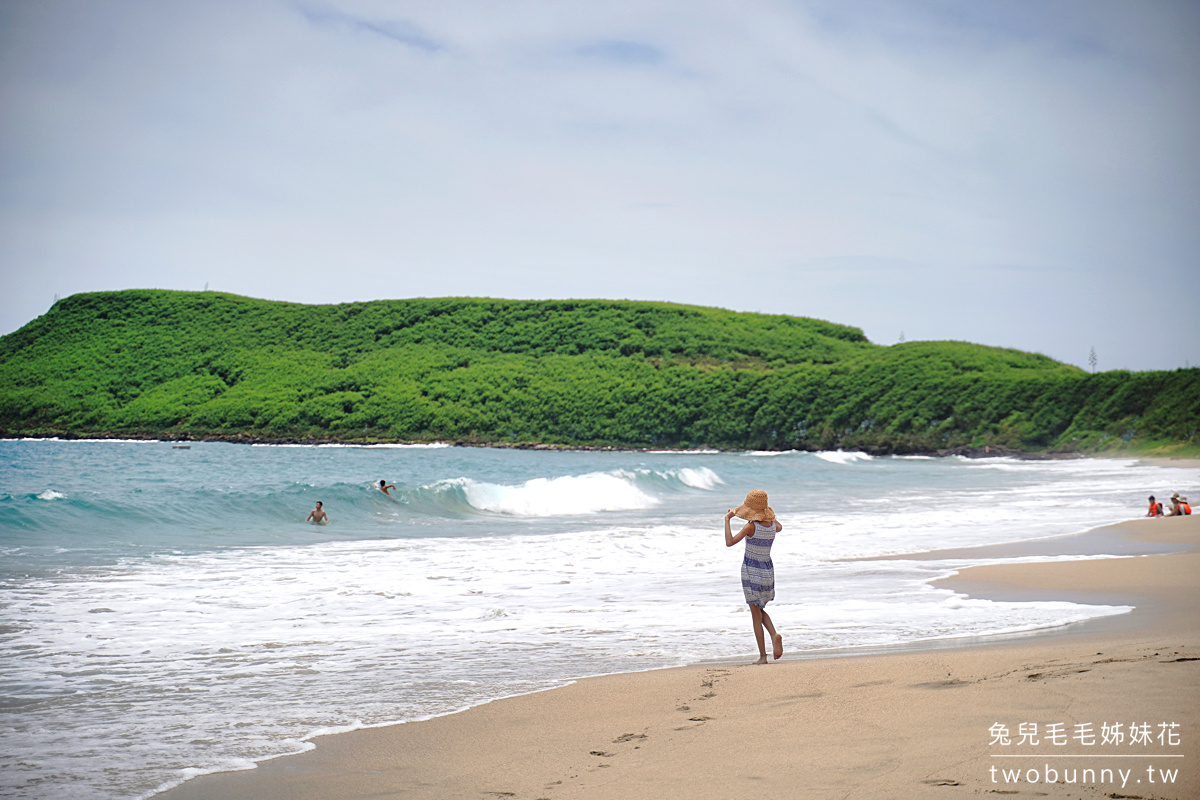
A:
(1020, 174)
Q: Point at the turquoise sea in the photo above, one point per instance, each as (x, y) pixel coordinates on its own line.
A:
(166, 612)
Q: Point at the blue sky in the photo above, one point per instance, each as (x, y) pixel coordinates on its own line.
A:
(1019, 174)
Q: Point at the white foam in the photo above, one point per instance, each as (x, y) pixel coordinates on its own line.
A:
(843, 456)
(50, 494)
(700, 478)
(71, 441)
(555, 497)
(184, 775)
(376, 446)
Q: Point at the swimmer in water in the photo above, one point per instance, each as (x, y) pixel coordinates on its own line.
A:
(385, 487)
(318, 516)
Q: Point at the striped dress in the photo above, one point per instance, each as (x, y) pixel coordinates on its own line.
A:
(758, 573)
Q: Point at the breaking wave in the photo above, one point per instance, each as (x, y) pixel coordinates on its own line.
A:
(590, 493)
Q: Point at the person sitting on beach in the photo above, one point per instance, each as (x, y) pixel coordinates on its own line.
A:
(1179, 506)
(385, 487)
(1155, 508)
(758, 571)
(317, 516)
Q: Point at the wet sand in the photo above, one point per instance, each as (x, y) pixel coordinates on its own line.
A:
(921, 723)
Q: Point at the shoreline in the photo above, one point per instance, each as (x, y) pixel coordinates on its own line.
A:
(897, 722)
(1186, 461)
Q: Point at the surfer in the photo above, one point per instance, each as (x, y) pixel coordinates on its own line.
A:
(317, 516)
(385, 487)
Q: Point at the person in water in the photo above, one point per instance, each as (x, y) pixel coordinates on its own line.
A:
(1155, 508)
(1179, 506)
(317, 516)
(758, 571)
(386, 487)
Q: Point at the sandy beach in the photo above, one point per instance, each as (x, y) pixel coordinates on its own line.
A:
(920, 723)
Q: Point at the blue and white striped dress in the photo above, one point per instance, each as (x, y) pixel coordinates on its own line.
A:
(758, 573)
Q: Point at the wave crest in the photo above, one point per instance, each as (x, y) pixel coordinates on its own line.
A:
(554, 497)
(843, 456)
(590, 493)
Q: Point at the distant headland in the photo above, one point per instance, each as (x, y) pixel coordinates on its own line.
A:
(557, 374)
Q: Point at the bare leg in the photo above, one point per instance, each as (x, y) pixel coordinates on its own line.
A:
(776, 639)
(756, 616)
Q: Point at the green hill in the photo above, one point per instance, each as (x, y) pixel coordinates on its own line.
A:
(581, 372)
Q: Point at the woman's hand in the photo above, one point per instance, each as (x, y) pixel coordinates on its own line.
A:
(732, 538)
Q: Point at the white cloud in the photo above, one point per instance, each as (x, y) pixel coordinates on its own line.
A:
(1011, 174)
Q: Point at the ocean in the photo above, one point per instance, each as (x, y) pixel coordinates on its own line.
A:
(167, 612)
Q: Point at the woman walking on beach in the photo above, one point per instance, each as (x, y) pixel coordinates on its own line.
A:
(758, 572)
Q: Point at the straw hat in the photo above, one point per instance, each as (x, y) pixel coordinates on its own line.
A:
(755, 508)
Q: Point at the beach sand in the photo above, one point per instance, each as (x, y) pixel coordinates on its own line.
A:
(895, 724)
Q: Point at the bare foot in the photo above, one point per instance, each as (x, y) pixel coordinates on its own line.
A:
(762, 660)
(778, 641)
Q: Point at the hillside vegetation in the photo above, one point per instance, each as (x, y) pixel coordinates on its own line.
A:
(588, 372)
